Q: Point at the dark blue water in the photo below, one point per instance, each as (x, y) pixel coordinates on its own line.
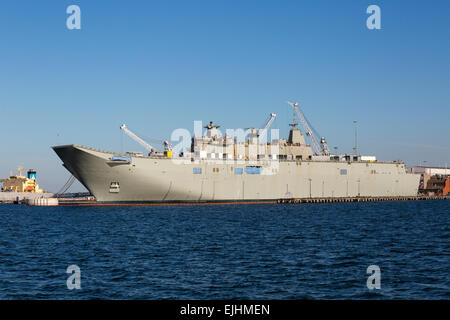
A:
(311, 251)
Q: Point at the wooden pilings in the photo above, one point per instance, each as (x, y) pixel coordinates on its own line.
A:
(361, 199)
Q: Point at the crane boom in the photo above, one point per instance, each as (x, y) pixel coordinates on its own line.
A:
(136, 138)
(262, 133)
(272, 117)
(319, 148)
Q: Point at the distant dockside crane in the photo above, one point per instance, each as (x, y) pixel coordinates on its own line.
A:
(319, 146)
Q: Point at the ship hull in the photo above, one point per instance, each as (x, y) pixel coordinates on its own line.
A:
(149, 179)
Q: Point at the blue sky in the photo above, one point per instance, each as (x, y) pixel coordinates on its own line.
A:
(159, 65)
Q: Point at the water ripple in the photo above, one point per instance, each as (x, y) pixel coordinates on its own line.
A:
(310, 251)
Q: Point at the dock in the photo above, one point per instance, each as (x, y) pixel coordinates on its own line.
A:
(18, 197)
(90, 201)
(361, 199)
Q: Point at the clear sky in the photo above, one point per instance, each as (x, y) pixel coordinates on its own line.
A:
(159, 65)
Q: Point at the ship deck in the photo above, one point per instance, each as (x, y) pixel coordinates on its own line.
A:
(207, 160)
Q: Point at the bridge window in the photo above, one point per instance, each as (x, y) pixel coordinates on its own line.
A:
(197, 170)
(343, 171)
(238, 171)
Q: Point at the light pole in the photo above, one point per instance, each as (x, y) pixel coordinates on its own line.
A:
(356, 137)
(310, 188)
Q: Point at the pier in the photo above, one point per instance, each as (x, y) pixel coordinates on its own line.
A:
(361, 199)
(19, 197)
(91, 201)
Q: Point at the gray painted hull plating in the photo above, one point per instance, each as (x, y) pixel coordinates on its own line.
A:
(148, 179)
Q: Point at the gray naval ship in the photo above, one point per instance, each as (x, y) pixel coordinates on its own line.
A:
(220, 168)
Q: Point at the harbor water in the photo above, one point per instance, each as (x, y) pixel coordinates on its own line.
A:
(247, 251)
